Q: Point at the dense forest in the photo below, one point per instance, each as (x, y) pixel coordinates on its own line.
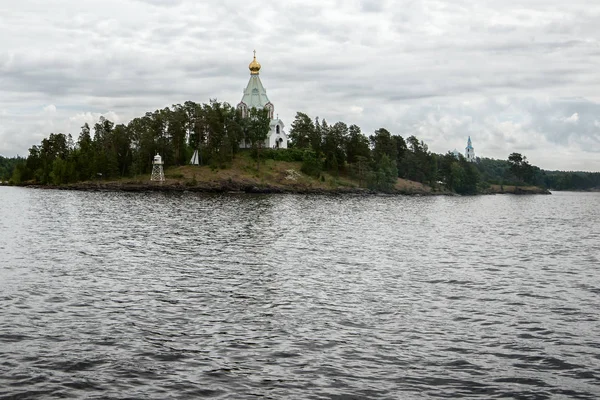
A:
(109, 151)
(7, 167)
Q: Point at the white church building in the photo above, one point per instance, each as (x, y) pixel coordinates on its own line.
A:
(470, 151)
(255, 95)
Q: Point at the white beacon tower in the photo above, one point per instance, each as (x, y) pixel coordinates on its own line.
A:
(157, 169)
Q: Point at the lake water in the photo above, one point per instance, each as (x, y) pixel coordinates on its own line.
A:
(175, 296)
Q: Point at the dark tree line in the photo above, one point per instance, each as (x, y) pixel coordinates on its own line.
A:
(216, 130)
(379, 159)
(113, 151)
(7, 167)
(561, 180)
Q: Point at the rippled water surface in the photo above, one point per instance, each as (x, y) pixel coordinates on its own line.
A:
(157, 296)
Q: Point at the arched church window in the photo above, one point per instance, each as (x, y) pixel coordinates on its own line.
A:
(243, 109)
(270, 107)
(277, 129)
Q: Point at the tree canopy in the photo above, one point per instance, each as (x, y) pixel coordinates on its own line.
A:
(216, 130)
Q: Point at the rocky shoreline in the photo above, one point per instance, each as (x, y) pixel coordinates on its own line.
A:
(518, 190)
(229, 186)
(213, 187)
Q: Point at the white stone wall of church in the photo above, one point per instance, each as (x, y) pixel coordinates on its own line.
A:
(273, 141)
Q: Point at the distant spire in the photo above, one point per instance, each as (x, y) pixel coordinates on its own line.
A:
(469, 151)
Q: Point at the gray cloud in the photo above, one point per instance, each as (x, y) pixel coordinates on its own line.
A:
(516, 76)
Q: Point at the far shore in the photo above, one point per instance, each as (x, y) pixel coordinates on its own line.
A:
(233, 184)
(243, 175)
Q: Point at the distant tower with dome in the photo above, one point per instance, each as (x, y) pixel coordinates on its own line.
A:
(470, 151)
(255, 95)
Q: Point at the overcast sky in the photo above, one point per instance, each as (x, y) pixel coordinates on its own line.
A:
(517, 76)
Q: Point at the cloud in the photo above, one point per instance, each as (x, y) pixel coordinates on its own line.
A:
(573, 119)
(516, 75)
(50, 109)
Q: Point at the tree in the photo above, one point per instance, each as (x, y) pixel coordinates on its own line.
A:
(361, 169)
(311, 164)
(105, 153)
(11, 169)
(257, 130)
(385, 175)
(224, 131)
(85, 154)
(121, 139)
(458, 174)
(401, 150)
(334, 141)
(316, 137)
(302, 129)
(383, 144)
(520, 167)
(177, 130)
(417, 163)
(357, 145)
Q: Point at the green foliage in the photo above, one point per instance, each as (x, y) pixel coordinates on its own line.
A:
(256, 126)
(383, 144)
(8, 166)
(301, 132)
(126, 150)
(357, 145)
(17, 175)
(494, 171)
(311, 164)
(560, 180)
(415, 162)
(282, 154)
(470, 179)
(334, 144)
(217, 129)
(256, 130)
(360, 170)
(457, 174)
(384, 176)
(520, 168)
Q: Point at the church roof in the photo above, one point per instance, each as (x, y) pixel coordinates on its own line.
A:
(255, 95)
(469, 145)
(277, 121)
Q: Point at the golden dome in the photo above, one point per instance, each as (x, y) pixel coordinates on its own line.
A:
(254, 66)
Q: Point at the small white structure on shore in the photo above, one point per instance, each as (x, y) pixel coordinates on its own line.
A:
(157, 169)
(194, 160)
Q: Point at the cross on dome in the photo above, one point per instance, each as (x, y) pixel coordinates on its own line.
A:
(254, 66)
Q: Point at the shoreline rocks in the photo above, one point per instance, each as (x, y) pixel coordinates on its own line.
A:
(244, 187)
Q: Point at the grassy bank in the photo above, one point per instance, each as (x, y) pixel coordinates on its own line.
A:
(243, 174)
